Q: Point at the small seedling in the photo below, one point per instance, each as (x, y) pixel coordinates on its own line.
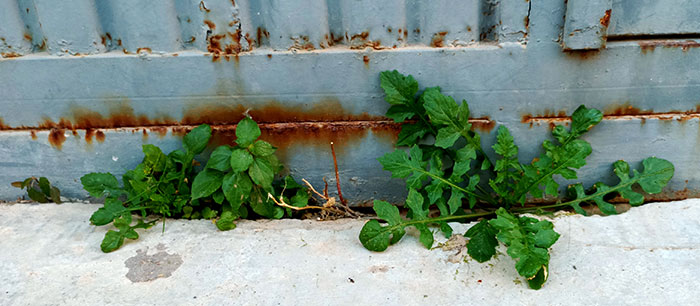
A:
(40, 190)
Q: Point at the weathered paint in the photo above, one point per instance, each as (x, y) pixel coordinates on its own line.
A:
(214, 61)
(586, 24)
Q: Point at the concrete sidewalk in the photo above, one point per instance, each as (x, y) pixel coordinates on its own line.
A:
(50, 255)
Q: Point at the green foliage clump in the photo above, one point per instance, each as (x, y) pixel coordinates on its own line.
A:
(234, 181)
(40, 190)
(446, 167)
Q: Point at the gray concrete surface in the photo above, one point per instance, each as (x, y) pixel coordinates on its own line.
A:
(49, 255)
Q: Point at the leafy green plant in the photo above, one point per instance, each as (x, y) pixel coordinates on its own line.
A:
(40, 190)
(173, 185)
(447, 168)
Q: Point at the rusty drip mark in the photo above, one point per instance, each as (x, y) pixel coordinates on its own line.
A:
(144, 49)
(33, 133)
(438, 40)
(10, 54)
(605, 20)
(57, 137)
(366, 60)
(89, 133)
(483, 124)
(210, 24)
(100, 136)
(28, 36)
(203, 7)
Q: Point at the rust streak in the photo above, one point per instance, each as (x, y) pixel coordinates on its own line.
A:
(438, 40)
(605, 20)
(57, 137)
(685, 45)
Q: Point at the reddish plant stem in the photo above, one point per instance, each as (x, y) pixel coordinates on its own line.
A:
(337, 176)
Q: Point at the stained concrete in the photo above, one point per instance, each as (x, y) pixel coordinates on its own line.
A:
(50, 255)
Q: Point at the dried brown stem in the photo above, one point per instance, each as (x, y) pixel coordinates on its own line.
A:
(337, 177)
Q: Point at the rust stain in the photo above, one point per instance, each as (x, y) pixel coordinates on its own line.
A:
(28, 36)
(360, 41)
(438, 39)
(605, 20)
(582, 54)
(104, 40)
(109, 36)
(685, 45)
(389, 30)
(469, 28)
(10, 54)
(57, 137)
(33, 133)
(144, 49)
(100, 136)
(203, 7)
(210, 24)
(261, 32)
(623, 111)
(366, 60)
(269, 55)
(119, 42)
(217, 114)
(89, 133)
(526, 22)
(483, 124)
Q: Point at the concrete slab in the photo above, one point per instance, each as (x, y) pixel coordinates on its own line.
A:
(49, 255)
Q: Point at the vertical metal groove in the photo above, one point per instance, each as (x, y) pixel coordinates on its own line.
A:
(13, 41)
(70, 27)
(136, 25)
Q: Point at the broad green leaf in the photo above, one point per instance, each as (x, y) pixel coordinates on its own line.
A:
(99, 184)
(261, 173)
(236, 188)
(398, 89)
(112, 209)
(55, 195)
(225, 222)
(218, 196)
(206, 182)
(656, 174)
(153, 158)
(262, 148)
(220, 159)
(388, 212)
(583, 119)
(196, 140)
(247, 131)
(262, 205)
(482, 241)
(374, 236)
(36, 195)
(446, 137)
(112, 241)
(240, 160)
(45, 186)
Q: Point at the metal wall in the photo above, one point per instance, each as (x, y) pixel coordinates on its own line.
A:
(83, 83)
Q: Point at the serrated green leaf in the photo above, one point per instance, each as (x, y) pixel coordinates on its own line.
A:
(446, 137)
(410, 134)
(482, 241)
(398, 89)
(403, 166)
(655, 175)
(206, 183)
(583, 119)
(220, 159)
(197, 139)
(247, 131)
(400, 113)
(440, 108)
(426, 236)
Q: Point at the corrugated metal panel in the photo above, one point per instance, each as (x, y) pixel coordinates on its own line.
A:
(211, 61)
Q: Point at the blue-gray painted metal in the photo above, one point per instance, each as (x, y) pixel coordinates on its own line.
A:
(586, 24)
(654, 17)
(523, 72)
